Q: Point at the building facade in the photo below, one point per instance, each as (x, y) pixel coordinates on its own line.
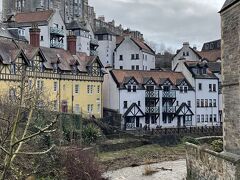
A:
(154, 99)
(72, 81)
(133, 54)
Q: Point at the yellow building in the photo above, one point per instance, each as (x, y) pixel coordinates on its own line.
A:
(72, 80)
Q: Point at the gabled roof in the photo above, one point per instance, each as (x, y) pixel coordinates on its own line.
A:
(194, 51)
(193, 65)
(184, 106)
(211, 56)
(142, 45)
(135, 113)
(34, 17)
(228, 4)
(120, 75)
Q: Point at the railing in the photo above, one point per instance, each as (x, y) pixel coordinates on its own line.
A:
(94, 41)
(56, 45)
(152, 94)
(153, 110)
(130, 126)
(169, 94)
(57, 31)
(202, 131)
(169, 109)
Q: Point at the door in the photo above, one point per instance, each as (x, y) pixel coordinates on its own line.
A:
(137, 122)
(179, 121)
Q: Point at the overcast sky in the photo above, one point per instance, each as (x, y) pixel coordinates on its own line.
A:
(166, 22)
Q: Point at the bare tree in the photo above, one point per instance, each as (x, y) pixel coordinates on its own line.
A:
(22, 114)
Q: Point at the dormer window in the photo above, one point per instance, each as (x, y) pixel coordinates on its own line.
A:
(184, 54)
(166, 88)
(74, 69)
(204, 70)
(41, 66)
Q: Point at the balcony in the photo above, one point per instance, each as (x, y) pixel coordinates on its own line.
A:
(169, 94)
(58, 45)
(57, 31)
(169, 109)
(152, 94)
(153, 110)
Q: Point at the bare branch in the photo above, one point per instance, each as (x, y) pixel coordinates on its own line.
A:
(36, 134)
(36, 153)
(4, 150)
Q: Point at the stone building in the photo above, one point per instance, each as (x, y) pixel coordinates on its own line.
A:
(70, 9)
(207, 164)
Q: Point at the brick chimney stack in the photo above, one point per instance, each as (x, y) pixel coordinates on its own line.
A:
(72, 43)
(34, 32)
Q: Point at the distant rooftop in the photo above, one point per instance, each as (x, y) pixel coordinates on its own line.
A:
(228, 3)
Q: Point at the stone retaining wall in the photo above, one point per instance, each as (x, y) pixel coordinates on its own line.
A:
(204, 164)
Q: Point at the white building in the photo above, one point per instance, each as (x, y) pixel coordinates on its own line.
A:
(133, 54)
(107, 44)
(53, 30)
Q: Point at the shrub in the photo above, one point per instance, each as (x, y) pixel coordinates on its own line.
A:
(217, 145)
(80, 164)
(190, 140)
(91, 134)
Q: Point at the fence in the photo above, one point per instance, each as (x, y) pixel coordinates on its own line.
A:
(202, 131)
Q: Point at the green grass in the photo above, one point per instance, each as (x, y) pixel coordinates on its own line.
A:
(144, 152)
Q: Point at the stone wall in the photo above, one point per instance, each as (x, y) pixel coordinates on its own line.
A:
(231, 77)
(204, 164)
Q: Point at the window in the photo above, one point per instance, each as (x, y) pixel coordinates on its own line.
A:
(139, 103)
(198, 102)
(12, 94)
(202, 102)
(214, 88)
(210, 103)
(40, 85)
(202, 118)
(137, 56)
(13, 68)
(120, 57)
(129, 88)
(121, 67)
(215, 118)
(200, 86)
(30, 83)
(77, 109)
(90, 108)
(214, 103)
(211, 118)
(210, 87)
(125, 105)
(41, 66)
(133, 67)
(76, 88)
(132, 56)
(198, 118)
(137, 67)
(206, 118)
(185, 89)
(134, 88)
(90, 89)
(181, 89)
(177, 103)
(55, 86)
(99, 108)
(98, 89)
(187, 53)
(206, 103)
(41, 38)
(189, 103)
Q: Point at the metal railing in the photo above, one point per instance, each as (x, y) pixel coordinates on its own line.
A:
(152, 94)
(153, 110)
(169, 109)
(57, 31)
(56, 45)
(169, 94)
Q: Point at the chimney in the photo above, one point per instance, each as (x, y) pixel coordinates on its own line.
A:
(34, 32)
(186, 44)
(71, 43)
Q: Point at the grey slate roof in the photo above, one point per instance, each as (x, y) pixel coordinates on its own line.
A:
(228, 3)
(76, 25)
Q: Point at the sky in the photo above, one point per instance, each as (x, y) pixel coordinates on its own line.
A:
(166, 24)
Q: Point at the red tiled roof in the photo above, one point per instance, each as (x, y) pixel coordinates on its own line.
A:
(212, 55)
(120, 75)
(38, 16)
